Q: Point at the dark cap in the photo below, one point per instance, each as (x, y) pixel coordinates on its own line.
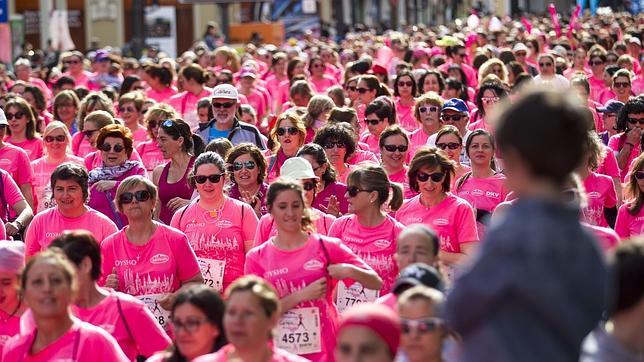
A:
(418, 274)
(612, 106)
(455, 104)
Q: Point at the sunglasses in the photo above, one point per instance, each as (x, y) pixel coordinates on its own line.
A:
(283, 130)
(488, 100)
(639, 175)
(454, 118)
(16, 115)
(425, 325)
(635, 120)
(394, 148)
(126, 109)
(373, 122)
(596, 62)
(222, 105)
(89, 132)
(406, 84)
(350, 88)
(545, 65)
(238, 166)
(106, 147)
(431, 109)
(621, 85)
(60, 138)
(167, 123)
(362, 90)
(71, 61)
(435, 177)
(353, 191)
(309, 185)
(318, 65)
(450, 145)
(140, 196)
(330, 145)
(201, 179)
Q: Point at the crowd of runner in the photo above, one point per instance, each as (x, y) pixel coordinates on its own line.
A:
(465, 192)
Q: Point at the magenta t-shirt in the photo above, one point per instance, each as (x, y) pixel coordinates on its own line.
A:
(321, 85)
(81, 145)
(9, 327)
(42, 180)
(607, 237)
(372, 141)
(291, 270)
(452, 219)
(267, 229)
(151, 155)
(335, 188)
(628, 225)
(609, 166)
(34, 147)
(417, 139)
(601, 194)
(218, 238)
(162, 96)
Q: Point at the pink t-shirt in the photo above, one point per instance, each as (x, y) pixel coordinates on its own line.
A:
(12, 195)
(417, 139)
(363, 155)
(218, 238)
(42, 180)
(16, 161)
(321, 85)
(157, 267)
(607, 237)
(185, 103)
(81, 145)
(80, 80)
(9, 327)
(279, 355)
(401, 178)
(50, 223)
(390, 300)
(82, 342)
(162, 96)
(483, 194)
(291, 270)
(151, 155)
(405, 115)
(452, 219)
(147, 334)
(601, 194)
(609, 166)
(267, 229)
(597, 86)
(375, 245)
(257, 101)
(333, 189)
(34, 147)
(628, 225)
(615, 143)
(139, 136)
(372, 141)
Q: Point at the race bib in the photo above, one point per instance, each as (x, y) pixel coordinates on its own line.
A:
(298, 331)
(355, 294)
(152, 302)
(213, 272)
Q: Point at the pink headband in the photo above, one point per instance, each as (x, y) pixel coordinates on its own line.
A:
(379, 319)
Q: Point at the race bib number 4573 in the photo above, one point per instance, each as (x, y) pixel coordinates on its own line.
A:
(298, 331)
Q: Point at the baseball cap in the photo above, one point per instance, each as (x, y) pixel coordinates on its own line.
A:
(225, 91)
(519, 47)
(378, 69)
(418, 274)
(297, 168)
(612, 106)
(3, 118)
(101, 55)
(247, 72)
(455, 104)
(634, 40)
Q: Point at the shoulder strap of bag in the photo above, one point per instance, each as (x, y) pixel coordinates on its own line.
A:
(127, 326)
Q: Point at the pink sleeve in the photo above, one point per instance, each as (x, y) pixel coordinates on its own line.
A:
(101, 344)
(33, 235)
(25, 173)
(146, 331)
(466, 224)
(613, 143)
(176, 217)
(621, 225)
(187, 266)
(611, 194)
(609, 167)
(107, 254)
(250, 221)
(251, 266)
(263, 230)
(12, 193)
(340, 253)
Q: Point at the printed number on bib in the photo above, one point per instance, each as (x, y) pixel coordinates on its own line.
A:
(213, 272)
(298, 331)
(355, 294)
(152, 302)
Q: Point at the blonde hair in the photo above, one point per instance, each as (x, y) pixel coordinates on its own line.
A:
(131, 182)
(55, 125)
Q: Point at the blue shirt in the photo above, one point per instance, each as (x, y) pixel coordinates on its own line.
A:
(214, 133)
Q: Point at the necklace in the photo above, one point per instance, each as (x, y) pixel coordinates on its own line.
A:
(213, 215)
(5, 320)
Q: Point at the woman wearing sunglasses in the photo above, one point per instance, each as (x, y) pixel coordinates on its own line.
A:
(247, 167)
(151, 155)
(22, 128)
(350, 87)
(427, 112)
(339, 144)
(490, 93)
(379, 115)
(620, 89)
(288, 136)
(58, 145)
(405, 90)
(369, 231)
(82, 142)
(300, 170)
(449, 140)
(181, 147)
(130, 105)
(220, 229)
(329, 196)
(630, 217)
(368, 88)
(630, 121)
(115, 145)
(482, 187)
(423, 331)
(305, 266)
(547, 73)
(394, 152)
(319, 79)
(147, 259)
(430, 173)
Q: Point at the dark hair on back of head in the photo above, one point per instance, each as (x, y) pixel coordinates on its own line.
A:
(628, 266)
(78, 244)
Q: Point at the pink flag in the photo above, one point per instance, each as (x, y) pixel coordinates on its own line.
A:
(526, 23)
(573, 20)
(555, 20)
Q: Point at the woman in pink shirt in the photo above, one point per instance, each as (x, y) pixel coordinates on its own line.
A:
(34, 96)
(252, 312)
(197, 323)
(58, 146)
(427, 114)
(394, 152)
(12, 261)
(48, 286)
(597, 63)
(452, 217)
(149, 150)
(22, 128)
(147, 259)
(320, 81)
(276, 75)
(83, 140)
(620, 89)
(369, 230)
(330, 194)
(159, 80)
(490, 93)
(220, 229)
(192, 79)
(405, 91)
(247, 167)
(65, 109)
(379, 115)
(482, 187)
(338, 144)
(247, 86)
(630, 217)
(130, 105)
(347, 118)
(288, 136)
(630, 121)
(126, 318)
(317, 115)
(304, 267)
(449, 140)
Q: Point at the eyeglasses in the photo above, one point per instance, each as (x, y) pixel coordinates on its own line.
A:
(635, 120)
(435, 177)
(16, 115)
(249, 165)
(454, 118)
(425, 325)
(353, 191)
(621, 84)
(190, 326)
(318, 65)
(331, 144)
(140, 196)
(488, 100)
(106, 147)
(373, 122)
(60, 138)
(545, 65)
(89, 132)
(406, 84)
(350, 88)
(393, 148)
(450, 145)
(201, 179)
(309, 185)
(222, 105)
(596, 62)
(291, 130)
(362, 90)
(639, 175)
(126, 109)
(431, 109)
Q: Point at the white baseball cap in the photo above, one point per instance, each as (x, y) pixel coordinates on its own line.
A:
(225, 91)
(519, 47)
(297, 168)
(3, 118)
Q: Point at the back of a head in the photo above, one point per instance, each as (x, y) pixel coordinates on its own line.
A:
(628, 266)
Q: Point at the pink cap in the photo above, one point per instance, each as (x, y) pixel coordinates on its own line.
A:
(12, 256)
(379, 319)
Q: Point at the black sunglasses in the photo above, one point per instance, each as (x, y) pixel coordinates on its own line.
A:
(454, 118)
(635, 120)
(450, 145)
(222, 105)
(639, 175)
(291, 130)
(201, 179)
(373, 122)
(435, 177)
(596, 62)
(89, 132)
(140, 196)
(353, 191)
(350, 88)
(393, 148)
(406, 84)
(362, 90)
(309, 185)
(106, 147)
(424, 109)
(16, 115)
(329, 145)
(60, 138)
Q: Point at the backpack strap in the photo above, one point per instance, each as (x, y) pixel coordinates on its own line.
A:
(127, 327)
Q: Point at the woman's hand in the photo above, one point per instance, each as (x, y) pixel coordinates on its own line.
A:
(313, 291)
(112, 280)
(633, 135)
(333, 208)
(341, 271)
(167, 301)
(176, 203)
(103, 186)
(253, 201)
